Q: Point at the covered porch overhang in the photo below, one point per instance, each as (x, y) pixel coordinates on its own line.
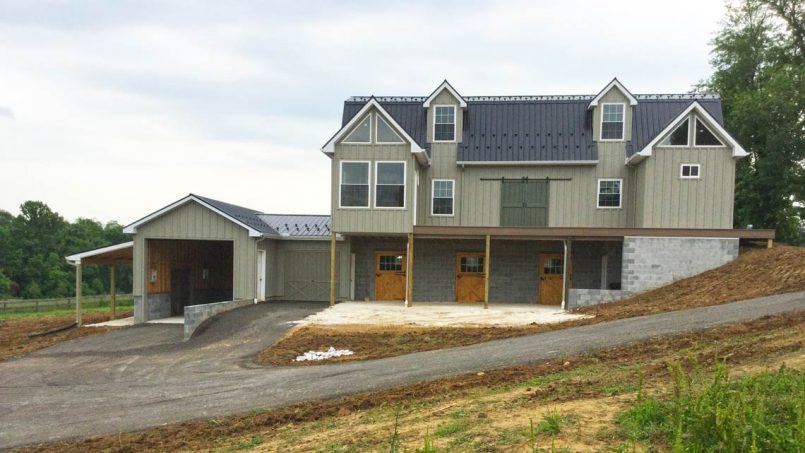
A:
(111, 256)
(560, 233)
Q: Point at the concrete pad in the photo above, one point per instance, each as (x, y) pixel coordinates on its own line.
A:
(439, 314)
(121, 322)
(170, 320)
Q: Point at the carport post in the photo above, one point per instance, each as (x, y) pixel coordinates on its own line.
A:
(409, 271)
(78, 293)
(332, 268)
(486, 272)
(112, 292)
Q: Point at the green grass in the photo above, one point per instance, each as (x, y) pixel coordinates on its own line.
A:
(244, 445)
(762, 412)
(450, 428)
(63, 312)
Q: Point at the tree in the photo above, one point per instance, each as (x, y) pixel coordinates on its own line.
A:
(759, 61)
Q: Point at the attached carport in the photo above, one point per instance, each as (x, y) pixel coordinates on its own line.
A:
(111, 256)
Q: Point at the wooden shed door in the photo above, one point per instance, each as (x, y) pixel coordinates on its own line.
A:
(470, 277)
(550, 278)
(389, 276)
(181, 288)
(524, 203)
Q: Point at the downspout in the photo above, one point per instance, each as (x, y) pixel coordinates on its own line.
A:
(564, 276)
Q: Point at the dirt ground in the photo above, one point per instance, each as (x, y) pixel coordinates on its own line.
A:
(14, 339)
(480, 412)
(757, 272)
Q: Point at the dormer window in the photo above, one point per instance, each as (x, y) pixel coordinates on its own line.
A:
(362, 132)
(704, 137)
(444, 123)
(679, 137)
(612, 121)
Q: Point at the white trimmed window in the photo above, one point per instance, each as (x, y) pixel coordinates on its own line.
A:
(362, 134)
(390, 184)
(444, 123)
(384, 133)
(609, 193)
(442, 197)
(690, 171)
(679, 137)
(354, 187)
(612, 121)
(704, 136)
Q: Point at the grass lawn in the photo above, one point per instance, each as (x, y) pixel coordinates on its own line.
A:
(124, 307)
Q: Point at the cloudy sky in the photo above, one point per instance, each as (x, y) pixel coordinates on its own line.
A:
(112, 109)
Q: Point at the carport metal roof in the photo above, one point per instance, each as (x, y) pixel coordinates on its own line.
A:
(110, 255)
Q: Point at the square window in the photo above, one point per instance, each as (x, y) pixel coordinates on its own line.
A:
(609, 193)
(689, 171)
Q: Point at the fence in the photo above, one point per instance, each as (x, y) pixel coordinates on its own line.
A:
(62, 303)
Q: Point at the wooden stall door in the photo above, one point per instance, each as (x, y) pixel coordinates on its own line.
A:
(181, 288)
(550, 279)
(469, 277)
(390, 275)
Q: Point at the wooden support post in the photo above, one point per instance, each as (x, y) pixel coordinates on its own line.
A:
(409, 271)
(332, 268)
(78, 293)
(113, 290)
(486, 271)
(770, 243)
(567, 272)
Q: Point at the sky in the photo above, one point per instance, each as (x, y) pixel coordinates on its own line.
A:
(113, 109)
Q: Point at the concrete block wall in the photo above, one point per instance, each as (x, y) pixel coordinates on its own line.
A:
(159, 306)
(195, 315)
(649, 262)
(578, 297)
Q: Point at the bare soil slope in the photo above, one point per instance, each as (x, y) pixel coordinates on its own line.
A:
(757, 272)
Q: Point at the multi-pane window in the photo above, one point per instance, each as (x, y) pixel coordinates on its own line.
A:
(390, 262)
(612, 121)
(362, 132)
(354, 184)
(385, 134)
(689, 171)
(704, 137)
(444, 123)
(442, 203)
(390, 185)
(552, 266)
(609, 193)
(679, 137)
(472, 264)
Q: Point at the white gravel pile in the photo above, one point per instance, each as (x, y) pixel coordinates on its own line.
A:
(328, 354)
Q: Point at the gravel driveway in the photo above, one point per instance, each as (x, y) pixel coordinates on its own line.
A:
(144, 376)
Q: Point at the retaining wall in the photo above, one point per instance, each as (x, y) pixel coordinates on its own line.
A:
(195, 315)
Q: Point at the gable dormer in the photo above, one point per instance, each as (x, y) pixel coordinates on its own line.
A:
(445, 114)
(613, 109)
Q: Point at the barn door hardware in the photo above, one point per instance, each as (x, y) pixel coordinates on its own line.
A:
(526, 179)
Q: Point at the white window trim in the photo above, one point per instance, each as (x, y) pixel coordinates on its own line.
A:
(341, 178)
(695, 126)
(601, 123)
(371, 131)
(452, 198)
(401, 142)
(598, 193)
(455, 123)
(405, 185)
(687, 145)
(698, 171)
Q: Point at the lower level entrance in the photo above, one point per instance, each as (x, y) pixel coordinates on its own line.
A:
(390, 275)
(469, 277)
(551, 274)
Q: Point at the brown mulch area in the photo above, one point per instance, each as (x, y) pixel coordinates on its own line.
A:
(757, 272)
(736, 343)
(14, 339)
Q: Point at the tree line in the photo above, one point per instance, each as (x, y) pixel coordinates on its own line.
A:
(34, 243)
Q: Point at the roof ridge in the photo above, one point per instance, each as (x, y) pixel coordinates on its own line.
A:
(297, 215)
(546, 97)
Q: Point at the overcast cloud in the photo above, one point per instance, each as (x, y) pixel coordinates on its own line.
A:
(111, 110)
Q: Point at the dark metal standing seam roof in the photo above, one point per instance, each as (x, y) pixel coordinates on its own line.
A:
(248, 216)
(527, 131)
(536, 128)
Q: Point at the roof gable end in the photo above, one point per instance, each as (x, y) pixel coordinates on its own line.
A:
(445, 86)
(615, 83)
